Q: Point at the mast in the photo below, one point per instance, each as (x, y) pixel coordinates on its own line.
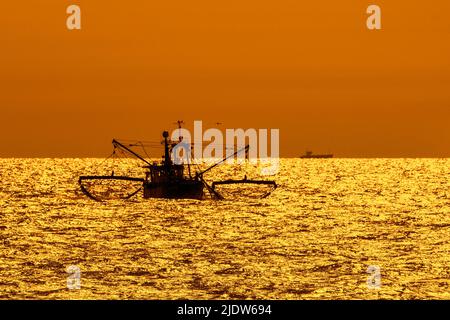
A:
(167, 160)
(180, 139)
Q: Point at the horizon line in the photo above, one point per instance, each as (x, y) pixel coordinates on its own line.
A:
(291, 157)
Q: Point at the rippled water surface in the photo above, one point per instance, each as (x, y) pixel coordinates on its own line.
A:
(313, 238)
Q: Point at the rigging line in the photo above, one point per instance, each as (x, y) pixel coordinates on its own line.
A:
(158, 143)
(140, 141)
(144, 145)
(209, 142)
(196, 164)
(118, 144)
(104, 160)
(101, 163)
(143, 141)
(145, 151)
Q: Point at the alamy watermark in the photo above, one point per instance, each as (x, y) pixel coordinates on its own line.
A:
(191, 146)
(74, 278)
(374, 19)
(73, 21)
(374, 278)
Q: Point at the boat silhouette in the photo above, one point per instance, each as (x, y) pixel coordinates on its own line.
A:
(310, 155)
(169, 180)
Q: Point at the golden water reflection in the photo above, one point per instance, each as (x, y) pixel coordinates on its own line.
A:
(313, 238)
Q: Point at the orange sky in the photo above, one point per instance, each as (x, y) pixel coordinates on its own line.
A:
(311, 69)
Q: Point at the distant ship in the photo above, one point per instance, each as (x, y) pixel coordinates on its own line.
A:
(310, 155)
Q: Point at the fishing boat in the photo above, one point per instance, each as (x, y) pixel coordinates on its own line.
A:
(310, 155)
(168, 180)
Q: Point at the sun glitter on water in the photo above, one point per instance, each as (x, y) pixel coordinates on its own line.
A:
(315, 237)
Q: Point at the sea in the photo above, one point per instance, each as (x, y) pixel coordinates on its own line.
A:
(332, 229)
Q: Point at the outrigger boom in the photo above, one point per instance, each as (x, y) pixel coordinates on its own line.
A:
(119, 145)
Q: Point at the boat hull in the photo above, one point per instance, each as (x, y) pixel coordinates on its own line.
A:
(184, 189)
(317, 156)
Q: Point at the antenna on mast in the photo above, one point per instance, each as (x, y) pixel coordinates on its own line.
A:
(179, 123)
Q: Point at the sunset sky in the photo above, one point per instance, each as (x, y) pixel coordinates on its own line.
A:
(310, 68)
